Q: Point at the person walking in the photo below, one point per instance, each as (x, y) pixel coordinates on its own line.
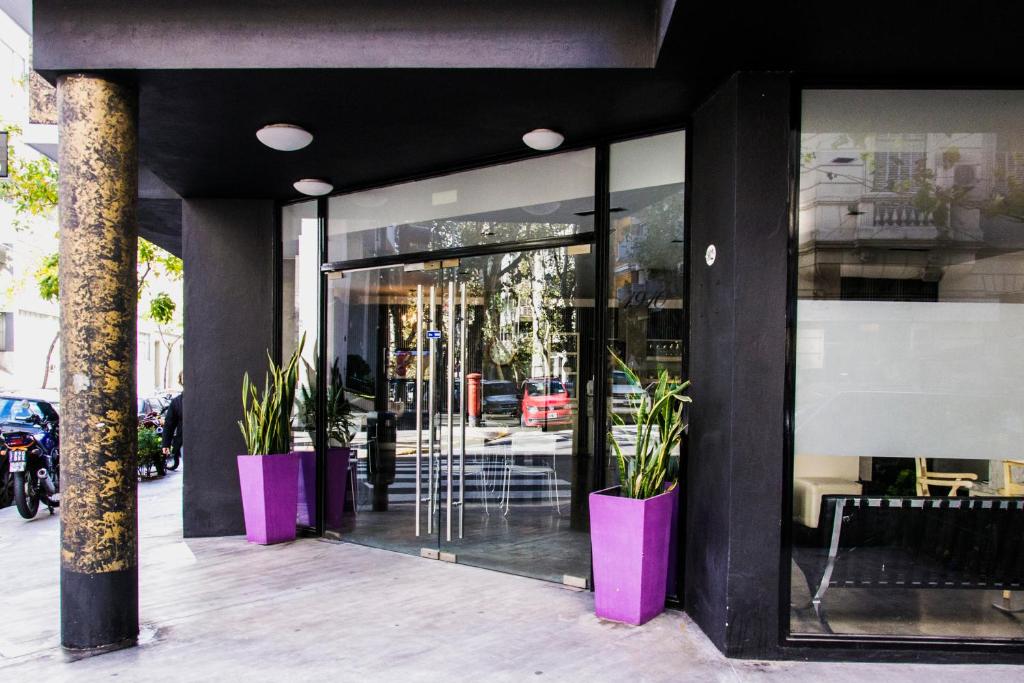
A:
(172, 435)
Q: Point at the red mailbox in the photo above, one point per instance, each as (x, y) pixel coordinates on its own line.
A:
(473, 392)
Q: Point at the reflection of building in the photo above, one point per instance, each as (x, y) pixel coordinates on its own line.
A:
(911, 206)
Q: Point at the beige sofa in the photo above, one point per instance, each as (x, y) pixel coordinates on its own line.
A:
(815, 476)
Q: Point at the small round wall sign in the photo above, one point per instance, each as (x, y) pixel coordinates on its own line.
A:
(710, 254)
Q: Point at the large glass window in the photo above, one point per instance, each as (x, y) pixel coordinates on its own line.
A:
(908, 471)
(300, 296)
(549, 196)
(646, 294)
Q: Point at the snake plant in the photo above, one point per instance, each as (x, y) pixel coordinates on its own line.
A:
(266, 422)
(659, 416)
(339, 422)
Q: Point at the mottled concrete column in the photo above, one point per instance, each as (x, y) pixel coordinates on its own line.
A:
(99, 518)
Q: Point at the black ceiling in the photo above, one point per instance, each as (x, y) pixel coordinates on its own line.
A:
(198, 127)
(375, 125)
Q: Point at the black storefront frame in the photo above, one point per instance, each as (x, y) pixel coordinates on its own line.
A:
(600, 238)
(838, 647)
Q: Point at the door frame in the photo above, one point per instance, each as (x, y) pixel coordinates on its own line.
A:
(586, 429)
(599, 239)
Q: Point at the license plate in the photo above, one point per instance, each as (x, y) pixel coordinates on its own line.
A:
(17, 460)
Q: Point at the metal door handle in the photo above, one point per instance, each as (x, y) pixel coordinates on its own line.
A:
(463, 398)
(430, 416)
(451, 394)
(418, 398)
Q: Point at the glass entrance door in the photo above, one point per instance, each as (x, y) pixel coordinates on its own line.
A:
(478, 363)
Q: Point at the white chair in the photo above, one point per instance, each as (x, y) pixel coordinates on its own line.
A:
(535, 445)
(815, 476)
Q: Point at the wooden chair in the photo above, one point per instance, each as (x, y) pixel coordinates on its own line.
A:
(954, 480)
(1011, 487)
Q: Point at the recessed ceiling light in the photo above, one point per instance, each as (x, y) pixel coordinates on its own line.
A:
(542, 209)
(284, 137)
(313, 187)
(543, 139)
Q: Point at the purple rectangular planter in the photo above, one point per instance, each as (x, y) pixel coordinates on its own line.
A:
(337, 480)
(629, 541)
(269, 496)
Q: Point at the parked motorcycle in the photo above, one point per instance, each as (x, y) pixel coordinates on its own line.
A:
(33, 460)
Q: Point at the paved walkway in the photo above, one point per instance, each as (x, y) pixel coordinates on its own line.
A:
(223, 610)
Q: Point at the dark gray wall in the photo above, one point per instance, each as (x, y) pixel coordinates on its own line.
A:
(740, 177)
(127, 34)
(229, 318)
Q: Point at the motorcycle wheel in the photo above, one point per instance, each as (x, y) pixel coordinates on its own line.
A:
(171, 462)
(28, 505)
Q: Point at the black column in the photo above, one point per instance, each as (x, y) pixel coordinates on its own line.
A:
(741, 177)
(229, 250)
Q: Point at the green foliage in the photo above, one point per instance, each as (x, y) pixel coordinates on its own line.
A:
(337, 409)
(47, 278)
(31, 184)
(150, 447)
(659, 431)
(161, 308)
(152, 260)
(266, 422)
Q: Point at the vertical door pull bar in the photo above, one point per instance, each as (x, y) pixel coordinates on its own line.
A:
(430, 414)
(419, 399)
(451, 395)
(463, 400)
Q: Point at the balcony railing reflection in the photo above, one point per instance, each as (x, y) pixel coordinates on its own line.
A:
(901, 212)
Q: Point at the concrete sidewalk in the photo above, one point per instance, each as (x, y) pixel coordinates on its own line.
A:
(216, 609)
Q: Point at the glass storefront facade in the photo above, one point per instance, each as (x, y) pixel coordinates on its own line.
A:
(459, 311)
(908, 469)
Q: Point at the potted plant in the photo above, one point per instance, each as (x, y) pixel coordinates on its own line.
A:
(339, 426)
(270, 469)
(631, 524)
(151, 456)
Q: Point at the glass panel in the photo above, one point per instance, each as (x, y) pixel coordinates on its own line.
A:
(647, 254)
(300, 292)
(543, 197)
(519, 485)
(529, 320)
(372, 338)
(909, 407)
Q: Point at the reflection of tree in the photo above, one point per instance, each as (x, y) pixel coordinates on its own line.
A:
(527, 305)
(647, 284)
(653, 237)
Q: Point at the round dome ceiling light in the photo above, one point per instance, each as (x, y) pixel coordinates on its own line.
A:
(284, 137)
(543, 139)
(313, 187)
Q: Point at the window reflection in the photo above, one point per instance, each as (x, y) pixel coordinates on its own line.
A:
(550, 196)
(909, 405)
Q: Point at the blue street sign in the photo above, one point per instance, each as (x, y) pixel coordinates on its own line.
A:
(433, 334)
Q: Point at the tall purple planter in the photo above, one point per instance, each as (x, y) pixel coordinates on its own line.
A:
(269, 496)
(337, 486)
(630, 542)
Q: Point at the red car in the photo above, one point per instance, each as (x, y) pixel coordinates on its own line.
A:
(546, 403)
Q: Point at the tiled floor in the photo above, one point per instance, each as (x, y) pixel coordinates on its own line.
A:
(220, 609)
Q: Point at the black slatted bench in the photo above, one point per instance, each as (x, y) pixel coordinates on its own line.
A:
(916, 542)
